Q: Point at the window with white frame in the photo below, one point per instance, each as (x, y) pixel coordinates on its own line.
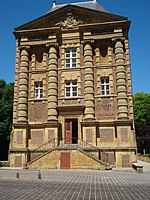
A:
(105, 86)
(70, 58)
(38, 90)
(71, 89)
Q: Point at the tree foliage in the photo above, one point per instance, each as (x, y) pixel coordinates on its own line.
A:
(142, 107)
(6, 108)
(142, 121)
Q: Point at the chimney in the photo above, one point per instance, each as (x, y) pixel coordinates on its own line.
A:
(54, 3)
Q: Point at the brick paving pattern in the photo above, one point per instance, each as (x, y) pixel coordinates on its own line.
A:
(74, 185)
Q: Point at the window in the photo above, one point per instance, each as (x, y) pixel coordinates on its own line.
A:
(70, 57)
(38, 90)
(71, 89)
(105, 86)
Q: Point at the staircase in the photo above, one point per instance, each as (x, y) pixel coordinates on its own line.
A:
(83, 147)
(42, 149)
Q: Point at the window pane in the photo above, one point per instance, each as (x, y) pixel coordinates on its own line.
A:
(74, 89)
(74, 94)
(36, 91)
(107, 80)
(67, 65)
(67, 55)
(107, 92)
(73, 62)
(67, 83)
(68, 89)
(103, 92)
(67, 94)
(36, 85)
(74, 55)
(74, 83)
(41, 84)
(103, 87)
(68, 51)
(102, 81)
(107, 87)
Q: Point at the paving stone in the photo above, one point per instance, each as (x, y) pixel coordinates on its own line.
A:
(74, 185)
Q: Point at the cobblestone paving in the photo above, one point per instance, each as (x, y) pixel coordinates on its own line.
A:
(74, 185)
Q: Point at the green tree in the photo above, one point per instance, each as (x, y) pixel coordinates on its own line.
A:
(142, 121)
(6, 115)
(142, 107)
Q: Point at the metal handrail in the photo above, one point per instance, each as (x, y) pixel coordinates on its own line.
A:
(45, 146)
(88, 148)
(37, 152)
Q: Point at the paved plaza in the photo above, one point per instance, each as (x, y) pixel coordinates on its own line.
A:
(74, 185)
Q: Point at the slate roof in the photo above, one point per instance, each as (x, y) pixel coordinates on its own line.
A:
(92, 5)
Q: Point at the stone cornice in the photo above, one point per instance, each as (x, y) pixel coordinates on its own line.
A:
(113, 24)
(34, 31)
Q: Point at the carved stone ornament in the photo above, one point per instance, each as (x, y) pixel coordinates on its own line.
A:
(69, 23)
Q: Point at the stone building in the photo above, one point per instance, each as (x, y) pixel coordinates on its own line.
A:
(73, 91)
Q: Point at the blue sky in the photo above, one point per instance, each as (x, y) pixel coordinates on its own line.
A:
(14, 13)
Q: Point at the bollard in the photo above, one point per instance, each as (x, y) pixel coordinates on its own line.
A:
(17, 174)
(39, 175)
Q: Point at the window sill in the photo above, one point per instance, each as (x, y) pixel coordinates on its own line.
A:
(41, 99)
(66, 98)
(105, 96)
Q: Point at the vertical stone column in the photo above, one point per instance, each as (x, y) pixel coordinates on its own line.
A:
(16, 87)
(121, 81)
(129, 79)
(88, 83)
(52, 85)
(23, 88)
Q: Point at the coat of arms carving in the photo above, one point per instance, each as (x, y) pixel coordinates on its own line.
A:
(69, 23)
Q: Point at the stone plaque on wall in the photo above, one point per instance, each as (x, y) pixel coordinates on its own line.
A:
(50, 134)
(38, 111)
(19, 137)
(89, 133)
(108, 157)
(37, 137)
(18, 161)
(106, 135)
(124, 134)
(105, 108)
(125, 161)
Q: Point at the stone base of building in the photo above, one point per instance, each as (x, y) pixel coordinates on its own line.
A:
(74, 158)
(86, 144)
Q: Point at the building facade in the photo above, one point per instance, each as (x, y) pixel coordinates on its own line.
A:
(73, 91)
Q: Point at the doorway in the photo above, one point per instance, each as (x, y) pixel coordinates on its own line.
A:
(65, 160)
(71, 131)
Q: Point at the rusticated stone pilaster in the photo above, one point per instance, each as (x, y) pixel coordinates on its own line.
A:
(129, 79)
(52, 85)
(23, 87)
(16, 87)
(121, 81)
(89, 82)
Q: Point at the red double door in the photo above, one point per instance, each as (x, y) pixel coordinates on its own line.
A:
(68, 131)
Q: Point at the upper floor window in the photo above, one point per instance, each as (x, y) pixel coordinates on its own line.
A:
(71, 89)
(105, 86)
(70, 57)
(38, 90)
